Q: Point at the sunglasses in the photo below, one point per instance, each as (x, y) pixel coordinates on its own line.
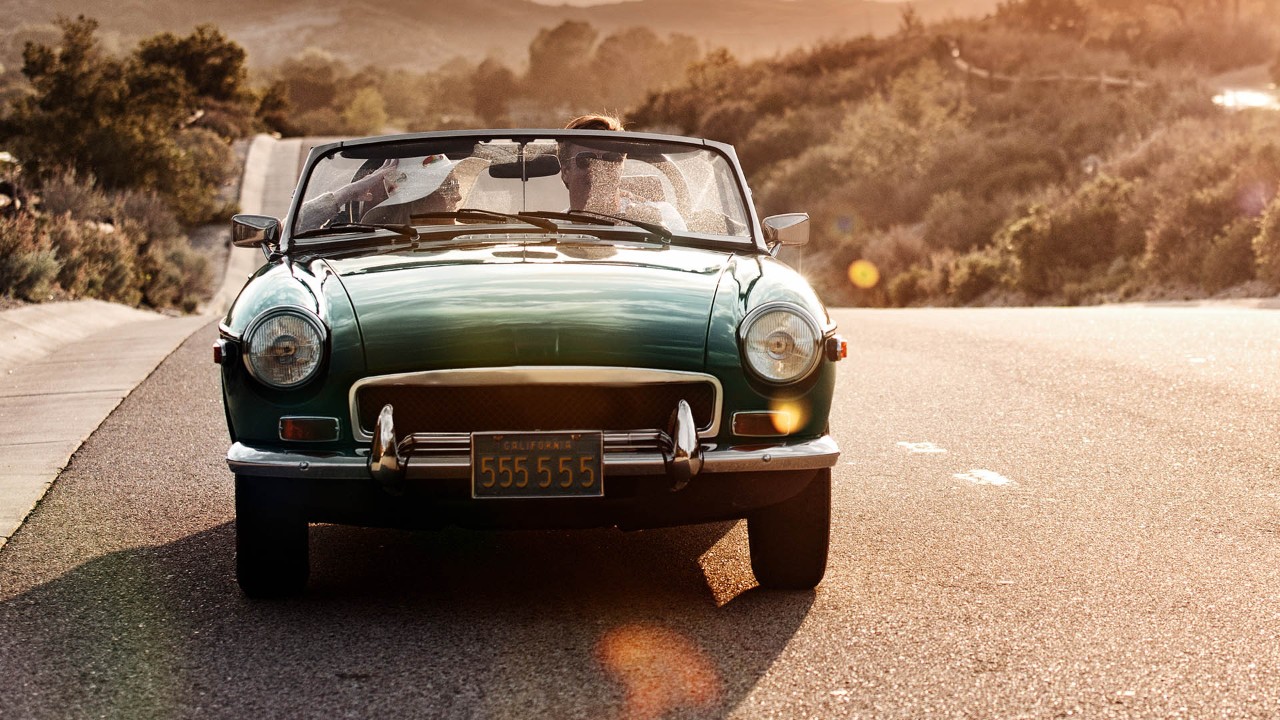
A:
(582, 160)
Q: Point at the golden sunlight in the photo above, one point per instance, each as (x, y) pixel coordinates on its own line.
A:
(864, 274)
(789, 415)
(659, 669)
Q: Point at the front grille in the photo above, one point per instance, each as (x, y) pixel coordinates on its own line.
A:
(447, 409)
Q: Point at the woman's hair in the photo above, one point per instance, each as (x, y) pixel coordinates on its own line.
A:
(594, 122)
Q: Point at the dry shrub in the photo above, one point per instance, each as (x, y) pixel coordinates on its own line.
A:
(895, 250)
(148, 216)
(175, 278)
(67, 193)
(97, 260)
(126, 247)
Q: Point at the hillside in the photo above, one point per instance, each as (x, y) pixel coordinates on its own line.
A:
(423, 34)
(1022, 159)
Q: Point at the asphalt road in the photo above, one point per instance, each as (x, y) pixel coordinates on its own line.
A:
(1039, 513)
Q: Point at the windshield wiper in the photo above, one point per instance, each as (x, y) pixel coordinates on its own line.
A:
(404, 231)
(478, 214)
(599, 218)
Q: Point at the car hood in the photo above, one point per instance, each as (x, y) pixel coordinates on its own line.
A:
(514, 304)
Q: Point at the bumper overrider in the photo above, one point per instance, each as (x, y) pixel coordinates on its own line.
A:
(392, 461)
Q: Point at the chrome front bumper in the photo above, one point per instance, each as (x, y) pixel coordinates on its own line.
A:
(809, 455)
(675, 453)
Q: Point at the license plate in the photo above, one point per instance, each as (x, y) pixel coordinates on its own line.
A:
(536, 465)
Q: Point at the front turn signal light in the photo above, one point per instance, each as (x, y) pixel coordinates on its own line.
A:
(837, 348)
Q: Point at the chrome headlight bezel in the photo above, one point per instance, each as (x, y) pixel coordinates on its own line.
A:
(310, 320)
(806, 321)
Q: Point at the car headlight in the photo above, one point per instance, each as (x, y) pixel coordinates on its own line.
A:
(780, 342)
(283, 348)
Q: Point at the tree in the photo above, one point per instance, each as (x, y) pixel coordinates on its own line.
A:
(635, 61)
(312, 78)
(275, 112)
(559, 61)
(118, 120)
(82, 110)
(492, 86)
(213, 69)
(367, 113)
(909, 22)
(212, 65)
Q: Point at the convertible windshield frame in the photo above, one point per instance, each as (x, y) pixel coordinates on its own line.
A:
(461, 142)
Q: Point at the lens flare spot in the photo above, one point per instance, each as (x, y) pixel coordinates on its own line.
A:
(864, 274)
(660, 671)
(789, 415)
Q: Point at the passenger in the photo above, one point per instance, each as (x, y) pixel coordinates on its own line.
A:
(594, 179)
(326, 208)
(431, 186)
(393, 193)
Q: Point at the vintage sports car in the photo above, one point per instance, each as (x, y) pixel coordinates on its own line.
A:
(527, 329)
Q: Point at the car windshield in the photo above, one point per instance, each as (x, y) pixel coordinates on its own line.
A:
(686, 189)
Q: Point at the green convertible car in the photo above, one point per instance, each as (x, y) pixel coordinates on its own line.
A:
(527, 329)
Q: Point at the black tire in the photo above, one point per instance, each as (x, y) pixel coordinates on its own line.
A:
(789, 541)
(272, 554)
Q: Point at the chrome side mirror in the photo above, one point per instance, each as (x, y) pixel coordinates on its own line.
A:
(254, 230)
(786, 229)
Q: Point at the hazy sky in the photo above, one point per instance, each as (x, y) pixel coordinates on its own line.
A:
(575, 2)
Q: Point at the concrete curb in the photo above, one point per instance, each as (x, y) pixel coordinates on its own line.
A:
(64, 367)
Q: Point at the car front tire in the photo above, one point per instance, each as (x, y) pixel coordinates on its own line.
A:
(272, 554)
(789, 541)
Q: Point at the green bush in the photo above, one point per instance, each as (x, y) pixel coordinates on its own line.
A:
(908, 288)
(28, 262)
(1185, 225)
(203, 162)
(786, 135)
(730, 122)
(1266, 245)
(1061, 242)
(974, 274)
(1229, 259)
(958, 222)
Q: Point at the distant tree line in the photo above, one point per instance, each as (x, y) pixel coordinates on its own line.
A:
(571, 69)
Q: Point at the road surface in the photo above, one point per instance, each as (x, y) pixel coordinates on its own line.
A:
(1039, 513)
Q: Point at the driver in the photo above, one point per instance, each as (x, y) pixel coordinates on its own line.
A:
(594, 179)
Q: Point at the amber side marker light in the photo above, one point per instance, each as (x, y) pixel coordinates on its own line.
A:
(763, 424)
(837, 348)
(309, 429)
(222, 351)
